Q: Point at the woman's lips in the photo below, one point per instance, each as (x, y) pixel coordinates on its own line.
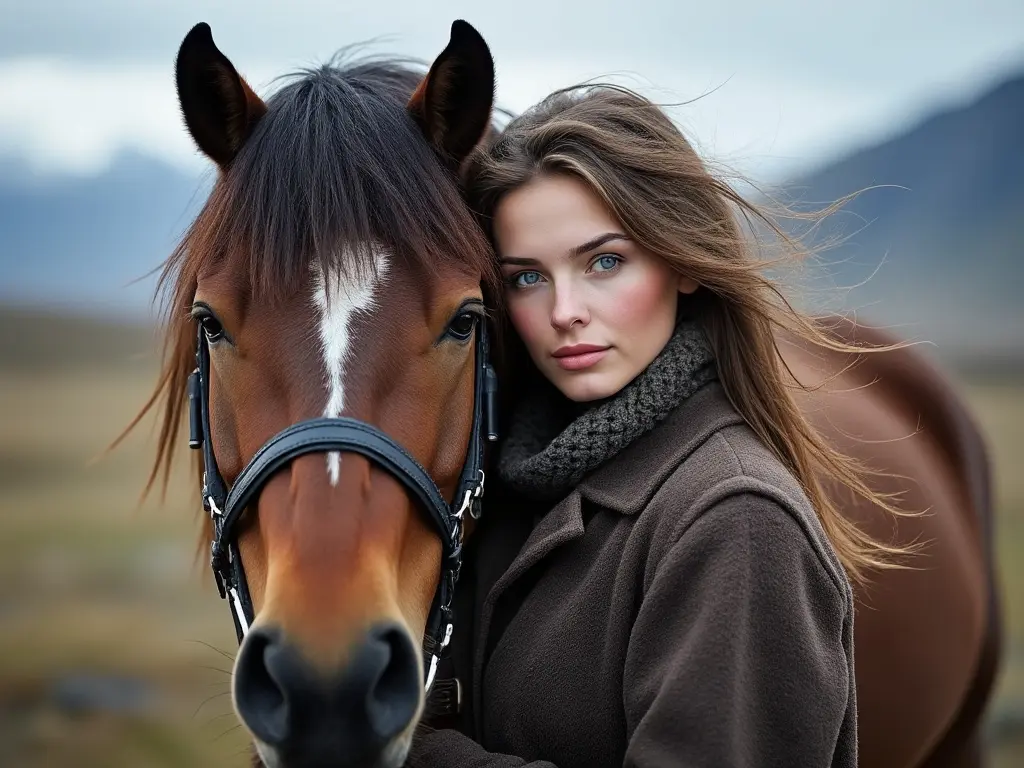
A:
(580, 356)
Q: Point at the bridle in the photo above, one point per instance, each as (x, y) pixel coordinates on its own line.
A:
(226, 506)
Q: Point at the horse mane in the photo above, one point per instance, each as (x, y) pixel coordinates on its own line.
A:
(334, 169)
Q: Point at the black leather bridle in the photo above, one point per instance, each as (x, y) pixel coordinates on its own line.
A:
(226, 507)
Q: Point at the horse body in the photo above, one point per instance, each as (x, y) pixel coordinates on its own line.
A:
(927, 637)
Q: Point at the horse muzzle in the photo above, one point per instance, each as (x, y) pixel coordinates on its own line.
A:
(360, 717)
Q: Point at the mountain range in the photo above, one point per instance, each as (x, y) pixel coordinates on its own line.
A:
(934, 243)
(90, 244)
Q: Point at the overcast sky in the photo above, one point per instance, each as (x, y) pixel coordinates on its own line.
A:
(789, 82)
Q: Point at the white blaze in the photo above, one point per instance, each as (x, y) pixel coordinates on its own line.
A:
(338, 300)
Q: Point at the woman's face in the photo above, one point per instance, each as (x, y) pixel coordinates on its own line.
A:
(592, 307)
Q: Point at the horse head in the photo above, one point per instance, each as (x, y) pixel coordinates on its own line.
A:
(328, 318)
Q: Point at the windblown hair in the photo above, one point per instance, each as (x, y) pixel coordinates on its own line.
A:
(335, 167)
(629, 152)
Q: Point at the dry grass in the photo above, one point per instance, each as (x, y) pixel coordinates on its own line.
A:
(91, 584)
(97, 591)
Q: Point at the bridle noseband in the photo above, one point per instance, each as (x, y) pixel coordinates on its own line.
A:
(226, 507)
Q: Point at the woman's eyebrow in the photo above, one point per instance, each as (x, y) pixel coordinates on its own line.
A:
(591, 244)
(596, 242)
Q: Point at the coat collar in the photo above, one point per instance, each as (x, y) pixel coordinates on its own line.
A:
(627, 482)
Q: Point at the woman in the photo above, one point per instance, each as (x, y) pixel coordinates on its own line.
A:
(659, 578)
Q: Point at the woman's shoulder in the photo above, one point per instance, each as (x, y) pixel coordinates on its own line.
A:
(732, 485)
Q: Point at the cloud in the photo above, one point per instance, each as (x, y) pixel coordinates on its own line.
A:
(787, 84)
(871, 41)
(71, 117)
(59, 117)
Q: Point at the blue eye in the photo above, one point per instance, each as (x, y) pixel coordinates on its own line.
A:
(524, 279)
(607, 263)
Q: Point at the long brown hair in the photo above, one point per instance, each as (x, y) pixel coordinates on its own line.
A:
(629, 152)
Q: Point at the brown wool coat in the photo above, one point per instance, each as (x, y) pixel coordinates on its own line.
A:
(680, 607)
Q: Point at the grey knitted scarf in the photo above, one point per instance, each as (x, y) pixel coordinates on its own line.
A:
(552, 445)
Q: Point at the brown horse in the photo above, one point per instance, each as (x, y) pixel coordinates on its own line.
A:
(334, 277)
(336, 271)
(927, 639)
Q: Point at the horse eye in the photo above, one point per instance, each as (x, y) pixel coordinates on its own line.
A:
(212, 328)
(461, 327)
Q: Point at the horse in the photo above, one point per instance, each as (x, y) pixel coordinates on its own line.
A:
(328, 348)
(928, 636)
(327, 331)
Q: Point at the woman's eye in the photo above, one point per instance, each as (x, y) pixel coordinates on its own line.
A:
(212, 328)
(605, 263)
(461, 327)
(524, 279)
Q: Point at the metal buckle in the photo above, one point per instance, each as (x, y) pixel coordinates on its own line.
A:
(467, 503)
(475, 511)
(214, 509)
(446, 697)
(209, 505)
(473, 493)
(431, 671)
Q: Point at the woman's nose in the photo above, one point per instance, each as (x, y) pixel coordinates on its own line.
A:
(568, 310)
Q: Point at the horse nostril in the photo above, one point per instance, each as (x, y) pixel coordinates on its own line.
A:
(314, 718)
(392, 699)
(260, 693)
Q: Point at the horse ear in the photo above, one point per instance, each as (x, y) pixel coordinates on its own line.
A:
(452, 104)
(219, 107)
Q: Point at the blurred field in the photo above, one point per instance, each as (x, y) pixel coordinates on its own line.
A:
(106, 619)
(101, 601)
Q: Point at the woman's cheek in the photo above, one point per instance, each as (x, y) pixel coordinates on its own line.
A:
(527, 318)
(634, 301)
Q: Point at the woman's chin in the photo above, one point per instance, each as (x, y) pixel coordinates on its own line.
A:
(588, 386)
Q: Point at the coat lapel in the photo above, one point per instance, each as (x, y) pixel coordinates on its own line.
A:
(562, 524)
(627, 482)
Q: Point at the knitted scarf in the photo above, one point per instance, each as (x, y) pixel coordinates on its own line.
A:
(552, 445)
